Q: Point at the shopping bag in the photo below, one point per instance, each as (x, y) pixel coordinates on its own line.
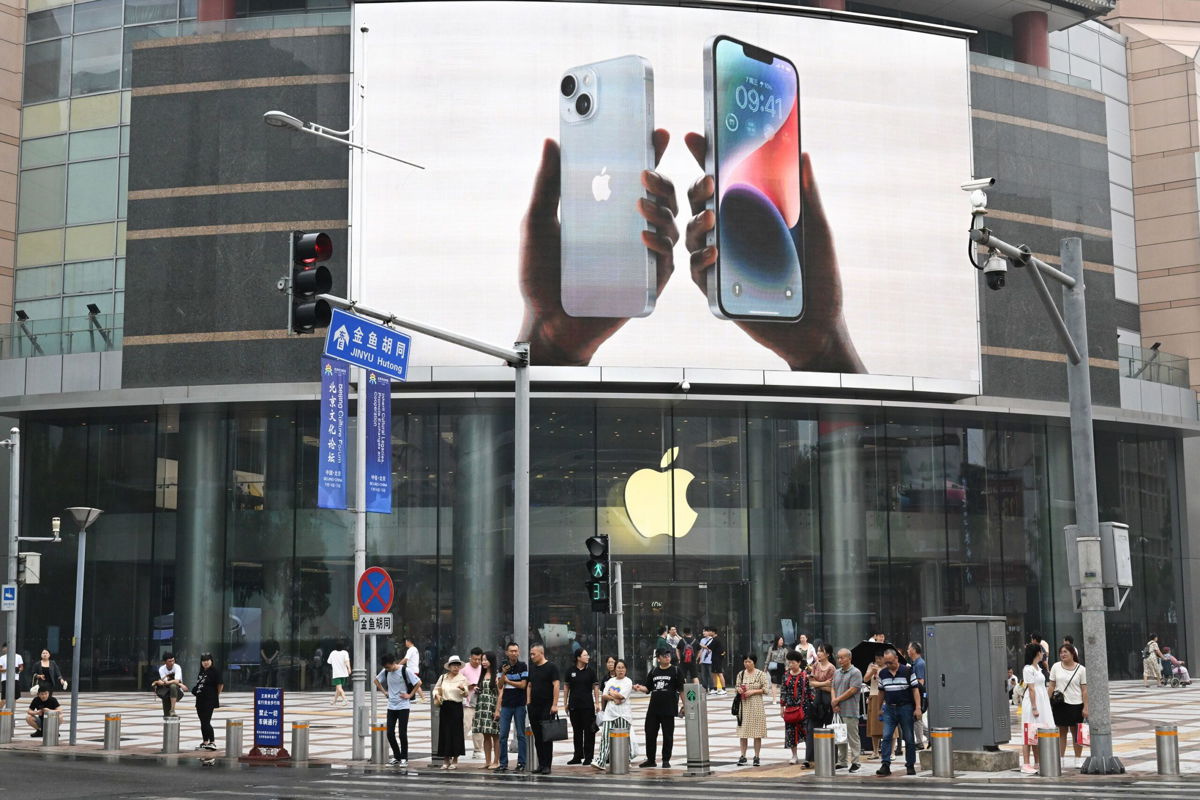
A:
(839, 732)
(1031, 734)
(1083, 734)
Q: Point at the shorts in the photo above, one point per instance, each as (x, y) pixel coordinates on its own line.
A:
(339, 682)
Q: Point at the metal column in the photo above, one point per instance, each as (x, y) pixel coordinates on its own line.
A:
(358, 674)
(435, 725)
(77, 637)
(233, 738)
(942, 742)
(50, 723)
(14, 510)
(170, 735)
(300, 741)
(823, 752)
(1166, 747)
(378, 744)
(521, 499)
(618, 751)
(112, 731)
(1049, 760)
(6, 726)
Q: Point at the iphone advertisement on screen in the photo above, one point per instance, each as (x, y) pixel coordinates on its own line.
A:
(645, 186)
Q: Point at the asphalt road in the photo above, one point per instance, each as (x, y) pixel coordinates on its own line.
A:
(25, 776)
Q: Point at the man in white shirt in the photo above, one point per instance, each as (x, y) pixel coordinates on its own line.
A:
(471, 672)
(412, 656)
(18, 666)
(169, 687)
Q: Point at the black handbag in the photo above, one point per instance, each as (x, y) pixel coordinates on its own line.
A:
(1058, 698)
(736, 708)
(554, 729)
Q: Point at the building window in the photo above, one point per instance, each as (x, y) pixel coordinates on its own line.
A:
(97, 66)
(50, 24)
(47, 70)
(97, 15)
(42, 198)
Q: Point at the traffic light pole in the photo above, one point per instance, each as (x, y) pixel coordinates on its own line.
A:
(13, 443)
(517, 357)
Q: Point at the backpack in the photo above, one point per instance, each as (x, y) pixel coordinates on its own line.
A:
(689, 651)
(1145, 652)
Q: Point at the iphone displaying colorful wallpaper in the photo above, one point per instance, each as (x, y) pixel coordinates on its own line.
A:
(756, 124)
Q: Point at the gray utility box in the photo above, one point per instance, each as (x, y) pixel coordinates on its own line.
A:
(965, 669)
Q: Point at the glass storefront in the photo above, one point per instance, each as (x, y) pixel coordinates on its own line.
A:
(755, 518)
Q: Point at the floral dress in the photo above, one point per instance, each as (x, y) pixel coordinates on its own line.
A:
(485, 721)
(752, 722)
(795, 692)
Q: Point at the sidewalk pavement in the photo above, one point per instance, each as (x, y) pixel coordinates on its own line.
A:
(1135, 713)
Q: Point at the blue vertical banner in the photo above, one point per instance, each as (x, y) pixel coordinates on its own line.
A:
(379, 443)
(268, 716)
(331, 471)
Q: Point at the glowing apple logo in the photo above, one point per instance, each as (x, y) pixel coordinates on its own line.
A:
(651, 495)
(600, 187)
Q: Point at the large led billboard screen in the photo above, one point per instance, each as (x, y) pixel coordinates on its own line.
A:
(639, 185)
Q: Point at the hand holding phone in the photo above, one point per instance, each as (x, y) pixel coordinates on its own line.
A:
(820, 342)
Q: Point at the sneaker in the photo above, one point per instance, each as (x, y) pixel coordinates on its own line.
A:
(756, 763)
(722, 693)
(839, 766)
(884, 771)
(666, 764)
(500, 768)
(404, 762)
(1028, 769)
(647, 763)
(854, 768)
(741, 762)
(395, 762)
(805, 765)
(793, 760)
(519, 768)
(910, 770)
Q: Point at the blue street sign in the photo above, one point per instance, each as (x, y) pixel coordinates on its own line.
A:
(10, 597)
(268, 717)
(359, 341)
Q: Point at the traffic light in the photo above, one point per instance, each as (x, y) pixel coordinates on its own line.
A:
(309, 279)
(598, 573)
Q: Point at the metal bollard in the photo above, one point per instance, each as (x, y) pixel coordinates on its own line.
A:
(170, 735)
(300, 741)
(50, 724)
(6, 726)
(112, 731)
(823, 752)
(233, 738)
(695, 705)
(942, 742)
(532, 765)
(1049, 761)
(379, 744)
(435, 727)
(618, 751)
(1166, 746)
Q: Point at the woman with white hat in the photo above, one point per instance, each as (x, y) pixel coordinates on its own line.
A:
(450, 692)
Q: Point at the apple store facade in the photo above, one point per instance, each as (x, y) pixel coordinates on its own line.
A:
(758, 517)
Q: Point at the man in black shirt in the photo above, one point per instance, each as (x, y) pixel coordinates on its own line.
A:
(583, 703)
(664, 684)
(39, 707)
(542, 700)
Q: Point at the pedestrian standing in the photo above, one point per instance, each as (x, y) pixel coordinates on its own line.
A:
(487, 698)
(706, 657)
(169, 687)
(874, 726)
(804, 647)
(617, 713)
(776, 663)
(471, 671)
(207, 690)
(901, 705)
(664, 684)
(821, 680)
(402, 686)
(916, 658)
(46, 673)
(752, 686)
(1035, 703)
(542, 690)
(339, 665)
(269, 662)
(717, 645)
(673, 640)
(412, 656)
(794, 696)
(847, 700)
(449, 693)
(689, 651)
(514, 677)
(1068, 698)
(583, 704)
(17, 663)
(1151, 662)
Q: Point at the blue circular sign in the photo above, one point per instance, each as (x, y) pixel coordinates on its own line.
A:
(375, 591)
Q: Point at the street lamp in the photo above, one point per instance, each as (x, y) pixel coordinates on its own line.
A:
(281, 119)
(83, 517)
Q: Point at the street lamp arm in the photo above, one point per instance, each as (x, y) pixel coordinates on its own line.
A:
(1021, 257)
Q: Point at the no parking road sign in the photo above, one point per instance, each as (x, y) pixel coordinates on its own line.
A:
(375, 591)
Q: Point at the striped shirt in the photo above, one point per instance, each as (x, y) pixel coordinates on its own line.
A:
(897, 686)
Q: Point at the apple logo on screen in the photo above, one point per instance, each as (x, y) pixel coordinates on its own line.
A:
(600, 188)
(651, 495)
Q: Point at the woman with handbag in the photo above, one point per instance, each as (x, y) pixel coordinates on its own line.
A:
(1068, 698)
(449, 693)
(485, 723)
(794, 694)
(617, 714)
(752, 685)
(1035, 705)
(46, 673)
(776, 664)
(822, 706)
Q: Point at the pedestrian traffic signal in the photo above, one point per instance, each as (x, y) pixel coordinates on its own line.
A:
(598, 573)
(309, 279)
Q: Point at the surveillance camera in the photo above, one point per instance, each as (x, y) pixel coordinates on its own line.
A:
(685, 386)
(995, 269)
(978, 183)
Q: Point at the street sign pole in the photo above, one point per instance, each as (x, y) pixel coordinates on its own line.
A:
(13, 443)
(359, 671)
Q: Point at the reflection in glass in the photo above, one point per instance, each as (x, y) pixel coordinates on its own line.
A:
(97, 65)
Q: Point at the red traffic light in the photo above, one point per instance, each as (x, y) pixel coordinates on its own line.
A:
(311, 248)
